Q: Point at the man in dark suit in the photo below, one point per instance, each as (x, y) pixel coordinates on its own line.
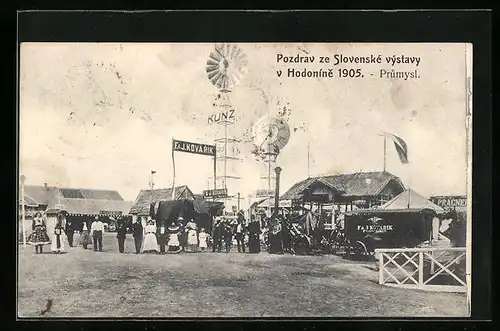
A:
(121, 234)
(70, 230)
(138, 234)
(217, 236)
(161, 234)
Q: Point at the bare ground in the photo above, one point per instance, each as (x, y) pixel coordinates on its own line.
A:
(83, 283)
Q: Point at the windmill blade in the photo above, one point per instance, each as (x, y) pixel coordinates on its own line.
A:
(215, 78)
(215, 57)
(213, 73)
(212, 62)
(210, 68)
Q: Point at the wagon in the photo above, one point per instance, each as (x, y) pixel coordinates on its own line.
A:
(367, 230)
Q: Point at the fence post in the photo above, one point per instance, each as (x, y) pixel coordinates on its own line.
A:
(432, 263)
(381, 268)
(420, 269)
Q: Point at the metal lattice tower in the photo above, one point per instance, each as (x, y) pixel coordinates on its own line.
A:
(227, 144)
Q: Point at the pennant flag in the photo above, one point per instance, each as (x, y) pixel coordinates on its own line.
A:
(401, 148)
(153, 172)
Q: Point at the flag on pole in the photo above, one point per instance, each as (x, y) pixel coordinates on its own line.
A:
(153, 172)
(401, 148)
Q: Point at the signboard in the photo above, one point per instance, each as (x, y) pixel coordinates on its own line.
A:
(450, 202)
(264, 193)
(375, 228)
(217, 193)
(110, 212)
(223, 116)
(59, 207)
(193, 148)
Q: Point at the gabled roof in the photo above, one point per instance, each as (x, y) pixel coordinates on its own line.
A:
(358, 184)
(146, 197)
(41, 195)
(412, 200)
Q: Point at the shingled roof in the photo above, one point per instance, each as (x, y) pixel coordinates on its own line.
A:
(360, 184)
(50, 195)
(147, 197)
(76, 201)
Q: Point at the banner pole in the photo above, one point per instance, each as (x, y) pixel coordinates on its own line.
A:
(215, 172)
(385, 151)
(173, 177)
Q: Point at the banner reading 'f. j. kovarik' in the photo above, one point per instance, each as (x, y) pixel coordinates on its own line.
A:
(194, 148)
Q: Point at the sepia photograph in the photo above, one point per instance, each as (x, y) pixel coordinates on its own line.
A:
(166, 180)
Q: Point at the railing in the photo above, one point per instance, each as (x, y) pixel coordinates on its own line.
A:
(435, 269)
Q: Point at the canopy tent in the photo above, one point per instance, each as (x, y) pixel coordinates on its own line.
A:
(166, 212)
(410, 199)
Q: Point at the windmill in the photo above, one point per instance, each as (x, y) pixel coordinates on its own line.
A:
(226, 66)
(270, 136)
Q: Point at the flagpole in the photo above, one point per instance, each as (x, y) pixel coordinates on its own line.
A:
(173, 172)
(385, 151)
(409, 187)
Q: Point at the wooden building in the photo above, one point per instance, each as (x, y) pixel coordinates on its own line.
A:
(78, 204)
(331, 195)
(145, 198)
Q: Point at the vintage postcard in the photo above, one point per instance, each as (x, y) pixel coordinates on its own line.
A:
(244, 180)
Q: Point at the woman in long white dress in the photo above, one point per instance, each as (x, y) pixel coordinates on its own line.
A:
(150, 243)
(202, 239)
(192, 238)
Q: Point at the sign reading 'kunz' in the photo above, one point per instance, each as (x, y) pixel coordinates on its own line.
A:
(194, 148)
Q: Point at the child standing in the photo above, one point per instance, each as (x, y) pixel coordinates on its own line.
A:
(202, 238)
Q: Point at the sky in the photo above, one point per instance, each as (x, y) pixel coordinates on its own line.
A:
(102, 116)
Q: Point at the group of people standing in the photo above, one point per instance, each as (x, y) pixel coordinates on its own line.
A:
(224, 231)
(64, 231)
(153, 238)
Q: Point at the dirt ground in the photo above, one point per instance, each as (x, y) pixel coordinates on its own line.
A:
(84, 283)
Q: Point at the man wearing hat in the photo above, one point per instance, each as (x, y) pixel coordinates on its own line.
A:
(138, 233)
(97, 229)
(70, 230)
(162, 236)
(217, 236)
(121, 234)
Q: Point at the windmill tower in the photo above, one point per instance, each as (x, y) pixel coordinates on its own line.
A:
(225, 67)
(270, 135)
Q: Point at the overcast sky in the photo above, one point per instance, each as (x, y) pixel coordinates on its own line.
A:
(103, 115)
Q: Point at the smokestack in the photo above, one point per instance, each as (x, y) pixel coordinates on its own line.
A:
(277, 170)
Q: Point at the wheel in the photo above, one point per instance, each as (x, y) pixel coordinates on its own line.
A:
(360, 249)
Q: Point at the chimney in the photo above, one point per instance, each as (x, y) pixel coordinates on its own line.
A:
(46, 186)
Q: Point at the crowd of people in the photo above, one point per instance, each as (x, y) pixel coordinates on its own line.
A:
(179, 236)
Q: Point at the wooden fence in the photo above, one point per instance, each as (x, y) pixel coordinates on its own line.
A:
(434, 269)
